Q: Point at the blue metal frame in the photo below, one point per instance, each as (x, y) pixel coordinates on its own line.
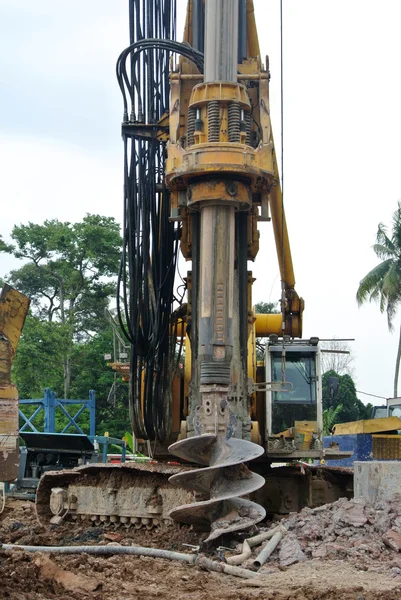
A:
(50, 403)
(106, 441)
(358, 443)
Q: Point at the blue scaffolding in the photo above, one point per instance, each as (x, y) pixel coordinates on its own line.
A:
(49, 404)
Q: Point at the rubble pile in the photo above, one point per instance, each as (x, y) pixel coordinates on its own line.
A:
(351, 530)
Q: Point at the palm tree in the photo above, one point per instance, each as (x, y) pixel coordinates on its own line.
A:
(383, 283)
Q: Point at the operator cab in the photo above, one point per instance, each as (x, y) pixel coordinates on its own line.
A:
(394, 407)
(391, 409)
(293, 398)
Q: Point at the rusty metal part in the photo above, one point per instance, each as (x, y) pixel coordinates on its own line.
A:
(215, 192)
(13, 310)
(220, 147)
(221, 158)
(130, 494)
(204, 93)
(289, 489)
(9, 432)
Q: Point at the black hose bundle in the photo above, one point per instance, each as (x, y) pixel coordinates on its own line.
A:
(145, 297)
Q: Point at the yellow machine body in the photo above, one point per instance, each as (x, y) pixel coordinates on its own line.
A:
(368, 426)
(13, 310)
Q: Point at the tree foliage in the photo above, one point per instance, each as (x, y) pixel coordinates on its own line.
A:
(39, 364)
(352, 408)
(383, 283)
(265, 308)
(39, 360)
(331, 416)
(68, 269)
(90, 370)
(69, 274)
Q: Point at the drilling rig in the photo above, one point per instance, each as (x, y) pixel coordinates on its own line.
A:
(200, 173)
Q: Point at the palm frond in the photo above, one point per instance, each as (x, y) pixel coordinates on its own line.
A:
(391, 293)
(383, 239)
(396, 228)
(391, 284)
(370, 285)
(391, 312)
(384, 252)
(383, 283)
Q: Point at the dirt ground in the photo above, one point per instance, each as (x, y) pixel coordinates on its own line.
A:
(27, 576)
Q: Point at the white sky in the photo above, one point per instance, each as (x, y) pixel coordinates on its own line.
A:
(61, 153)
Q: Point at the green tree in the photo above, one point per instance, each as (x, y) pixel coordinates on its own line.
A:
(383, 283)
(265, 308)
(90, 370)
(69, 275)
(352, 408)
(39, 364)
(3, 246)
(39, 360)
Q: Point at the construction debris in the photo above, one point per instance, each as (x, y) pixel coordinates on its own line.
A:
(365, 570)
(268, 549)
(352, 530)
(70, 581)
(290, 551)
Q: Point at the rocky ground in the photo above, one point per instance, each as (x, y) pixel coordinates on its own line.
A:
(344, 551)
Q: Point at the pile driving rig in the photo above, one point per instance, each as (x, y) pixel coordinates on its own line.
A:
(200, 173)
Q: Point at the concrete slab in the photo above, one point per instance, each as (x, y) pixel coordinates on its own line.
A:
(377, 480)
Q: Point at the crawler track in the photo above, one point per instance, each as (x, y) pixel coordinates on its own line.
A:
(131, 494)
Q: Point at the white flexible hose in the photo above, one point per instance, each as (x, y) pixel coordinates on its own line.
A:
(249, 543)
(3, 501)
(192, 559)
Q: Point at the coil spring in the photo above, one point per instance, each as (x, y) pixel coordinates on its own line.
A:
(213, 121)
(221, 481)
(234, 121)
(247, 118)
(191, 126)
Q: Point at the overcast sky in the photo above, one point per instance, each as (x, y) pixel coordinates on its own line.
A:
(61, 152)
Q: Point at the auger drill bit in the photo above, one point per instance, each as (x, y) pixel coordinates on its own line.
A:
(223, 478)
(217, 197)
